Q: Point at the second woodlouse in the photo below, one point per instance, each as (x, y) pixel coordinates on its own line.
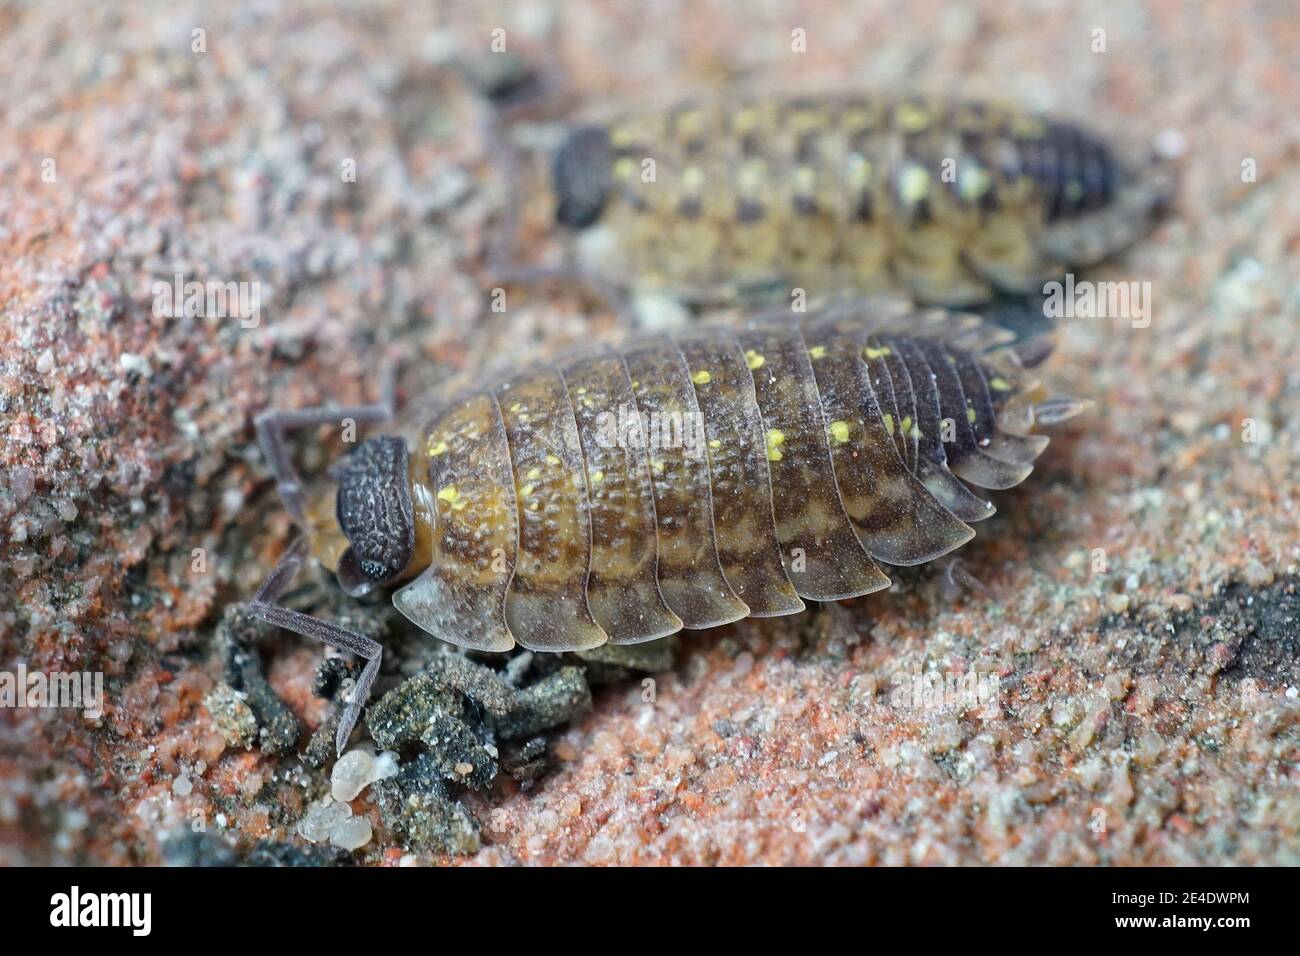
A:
(947, 201)
(805, 451)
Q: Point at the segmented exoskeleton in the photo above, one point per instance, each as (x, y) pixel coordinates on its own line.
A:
(947, 202)
(548, 508)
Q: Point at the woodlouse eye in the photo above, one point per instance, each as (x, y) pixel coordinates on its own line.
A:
(352, 579)
(373, 569)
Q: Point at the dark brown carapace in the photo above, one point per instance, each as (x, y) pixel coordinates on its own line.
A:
(620, 494)
(946, 202)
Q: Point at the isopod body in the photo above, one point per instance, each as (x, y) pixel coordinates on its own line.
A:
(948, 202)
(550, 508)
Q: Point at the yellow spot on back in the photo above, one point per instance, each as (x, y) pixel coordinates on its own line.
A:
(702, 377)
(805, 180)
(999, 384)
(515, 407)
(452, 497)
(689, 122)
(775, 439)
(855, 117)
(692, 179)
(970, 415)
(658, 465)
(859, 170)
(912, 118)
(840, 432)
(597, 476)
(873, 353)
(716, 443)
(889, 423)
(552, 460)
(750, 177)
(526, 490)
(817, 351)
(534, 473)
(753, 359)
(437, 448)
(906, 424)
(1027, 127)
(973, 181)
(913, 184)
(625, 168)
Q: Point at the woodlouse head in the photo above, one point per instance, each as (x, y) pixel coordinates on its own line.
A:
(581, 177)
(374, 512)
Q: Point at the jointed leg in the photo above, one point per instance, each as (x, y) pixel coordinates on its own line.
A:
(274, 426)
(506, 273)
(264, 608)
(957, 580)
(502, 268)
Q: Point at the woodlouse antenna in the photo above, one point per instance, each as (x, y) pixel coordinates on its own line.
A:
(272, 429)
(273, 426)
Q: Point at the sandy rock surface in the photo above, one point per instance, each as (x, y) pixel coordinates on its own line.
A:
(1140, 637)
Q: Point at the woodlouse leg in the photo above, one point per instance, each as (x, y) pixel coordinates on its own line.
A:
(274, 426)
(957, 580)
(264, 608)
(502, 268)
(506, 272)
(1024, 315)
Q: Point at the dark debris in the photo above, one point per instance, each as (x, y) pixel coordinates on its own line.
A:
(204, 849)
(469, 724)
(1260, 627)
(237, 639)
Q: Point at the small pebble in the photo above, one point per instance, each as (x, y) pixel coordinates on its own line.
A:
(23, 480)
(352, 834)
(321, 819)
(1258, 576)
(358, 769)
(352, 773)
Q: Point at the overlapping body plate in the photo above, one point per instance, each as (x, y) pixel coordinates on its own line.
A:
(546, 603)
(690, 573)
(623, 588)
(464, 489)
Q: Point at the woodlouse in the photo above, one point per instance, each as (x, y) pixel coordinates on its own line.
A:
(521, 511)
(949, 202)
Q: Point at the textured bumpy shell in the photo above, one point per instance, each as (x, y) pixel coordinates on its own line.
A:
(622, 494)
(943, 201)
